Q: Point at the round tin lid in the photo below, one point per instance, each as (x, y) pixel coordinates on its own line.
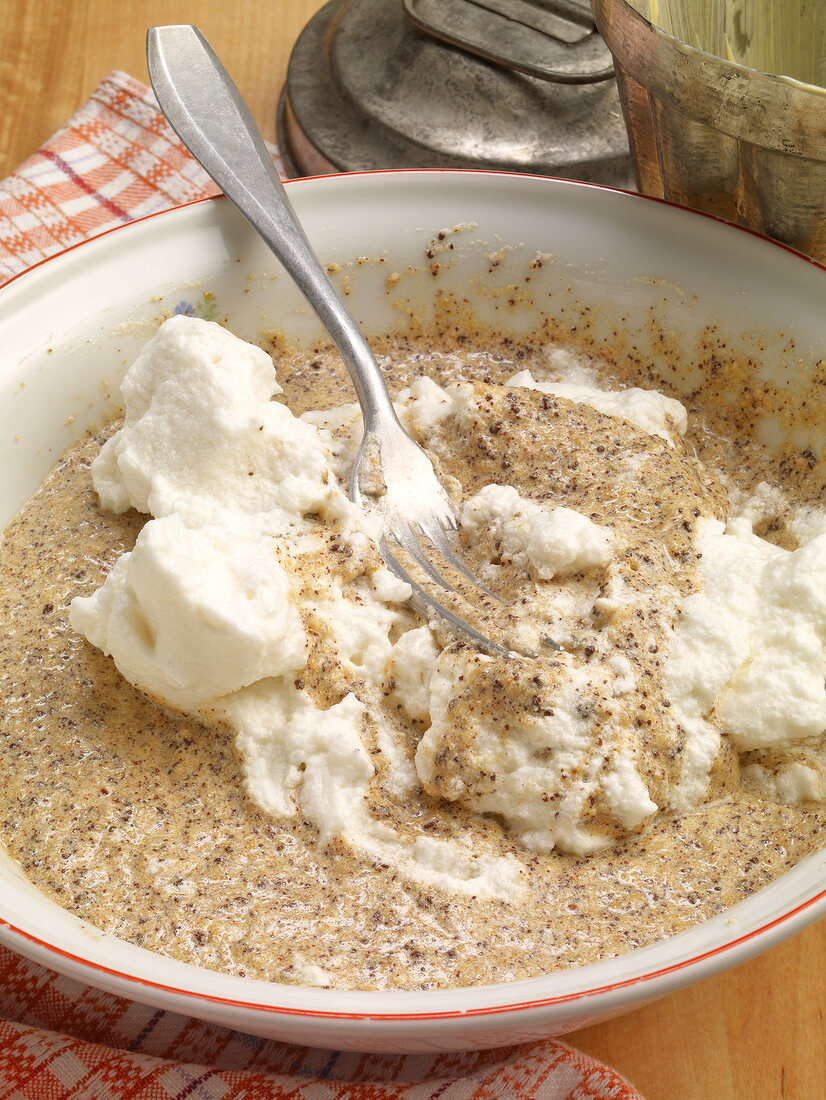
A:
(517, 85)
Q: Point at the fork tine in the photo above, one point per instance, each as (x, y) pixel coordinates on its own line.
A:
(438, 537)
(427, 600)
(404, 535)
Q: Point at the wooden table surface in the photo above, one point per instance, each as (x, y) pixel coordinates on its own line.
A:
(754, 1032)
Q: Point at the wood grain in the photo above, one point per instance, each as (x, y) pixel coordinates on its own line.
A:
(54, 53)
(753, 1032)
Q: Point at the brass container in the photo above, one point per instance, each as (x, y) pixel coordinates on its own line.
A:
(719, 136)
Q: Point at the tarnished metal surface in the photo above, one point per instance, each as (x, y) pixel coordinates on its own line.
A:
(717, 136)
(366, 89)
(551, 39)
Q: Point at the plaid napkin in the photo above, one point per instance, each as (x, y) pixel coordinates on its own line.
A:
(114, 161)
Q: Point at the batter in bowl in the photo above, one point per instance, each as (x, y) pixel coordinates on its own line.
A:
(320, 787)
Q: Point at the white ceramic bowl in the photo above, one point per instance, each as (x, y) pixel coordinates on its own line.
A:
(622, 270)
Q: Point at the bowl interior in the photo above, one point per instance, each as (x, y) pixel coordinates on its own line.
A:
(673, 292)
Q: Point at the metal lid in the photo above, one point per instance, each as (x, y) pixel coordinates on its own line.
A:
(552, 39)
(518, 85)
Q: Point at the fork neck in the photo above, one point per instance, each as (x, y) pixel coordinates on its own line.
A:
(365, 373)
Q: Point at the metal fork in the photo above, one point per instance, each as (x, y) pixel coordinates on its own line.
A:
(392, 473)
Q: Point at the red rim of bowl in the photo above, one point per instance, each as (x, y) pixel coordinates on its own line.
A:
(491, 1010)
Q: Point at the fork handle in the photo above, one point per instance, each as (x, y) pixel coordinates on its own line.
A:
(206, 111)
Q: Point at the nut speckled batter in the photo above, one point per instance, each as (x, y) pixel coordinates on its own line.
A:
(137, 819)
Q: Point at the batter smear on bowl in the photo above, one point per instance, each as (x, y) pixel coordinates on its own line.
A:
(229, 738)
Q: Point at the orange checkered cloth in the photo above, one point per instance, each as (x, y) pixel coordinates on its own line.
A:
(114, 161)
